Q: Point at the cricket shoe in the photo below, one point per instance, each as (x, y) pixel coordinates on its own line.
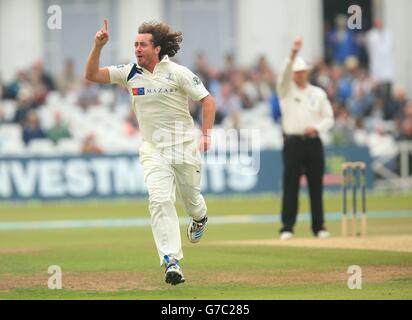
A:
(196, 229)
(323, 234)
(173, 272)
(286, 235)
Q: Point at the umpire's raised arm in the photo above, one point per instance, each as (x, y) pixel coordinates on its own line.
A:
(286, 76)
(93, 72)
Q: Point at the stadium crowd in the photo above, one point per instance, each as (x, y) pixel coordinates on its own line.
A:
(370, 109)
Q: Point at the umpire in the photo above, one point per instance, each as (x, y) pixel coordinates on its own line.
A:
(306, 112)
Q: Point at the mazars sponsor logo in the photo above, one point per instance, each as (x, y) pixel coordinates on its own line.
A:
(150, 91)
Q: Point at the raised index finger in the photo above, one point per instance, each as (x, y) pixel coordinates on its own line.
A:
(105, 25)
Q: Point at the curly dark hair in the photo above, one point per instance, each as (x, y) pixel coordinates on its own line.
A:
(168, 41)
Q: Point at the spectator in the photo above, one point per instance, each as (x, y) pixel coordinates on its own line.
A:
(25, 104)
(362, 81)
(377, 114)
(22, 80)
(59, 130)
(350, 74)
(32, 129)
(403, 122)
(407, 111)
(238, 83)
(360, 135)
(275, 108)
(90, 146)
(341, 42)
(405, 135)
(341, 88)
(88, 95)
(121, 97)
(256, 89)
(406, 130)
(379, 44)
(397, 104)
(361, 103)
(40, 90)
(67, 80)
(214, 81)
(342, 132)
(201, 68)
(230, 66)
(2, 115)
(228, 105)
(44, 78)
(320, 75)
(382, 146)
(266, 72)
(1, 89)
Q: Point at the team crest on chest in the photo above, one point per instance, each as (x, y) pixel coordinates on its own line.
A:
(169, 77)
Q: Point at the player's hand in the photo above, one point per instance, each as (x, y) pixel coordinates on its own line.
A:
(311, 132)
(204, 143)
(297, 45)
(102, 36)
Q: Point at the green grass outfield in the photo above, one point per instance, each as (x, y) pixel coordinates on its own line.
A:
(122, 263)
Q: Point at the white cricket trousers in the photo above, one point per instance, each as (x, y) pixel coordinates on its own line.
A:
(167, 172)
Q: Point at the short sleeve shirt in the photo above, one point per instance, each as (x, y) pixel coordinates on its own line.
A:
(160, 99)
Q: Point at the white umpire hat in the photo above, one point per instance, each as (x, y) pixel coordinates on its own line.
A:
(300, 65)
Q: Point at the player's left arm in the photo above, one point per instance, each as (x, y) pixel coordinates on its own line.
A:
(208, 119)
(193, 86)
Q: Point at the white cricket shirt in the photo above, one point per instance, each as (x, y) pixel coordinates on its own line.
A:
(302, 109)
(380, 48)
(160, 99)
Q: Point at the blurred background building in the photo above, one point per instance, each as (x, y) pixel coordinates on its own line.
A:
(217, 27)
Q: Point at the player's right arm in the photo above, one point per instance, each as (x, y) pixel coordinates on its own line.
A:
(286, 76)
(93, 71)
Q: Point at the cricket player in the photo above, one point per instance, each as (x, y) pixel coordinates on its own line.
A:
(170, 153)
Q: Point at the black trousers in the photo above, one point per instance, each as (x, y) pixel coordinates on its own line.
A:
(302, 156)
